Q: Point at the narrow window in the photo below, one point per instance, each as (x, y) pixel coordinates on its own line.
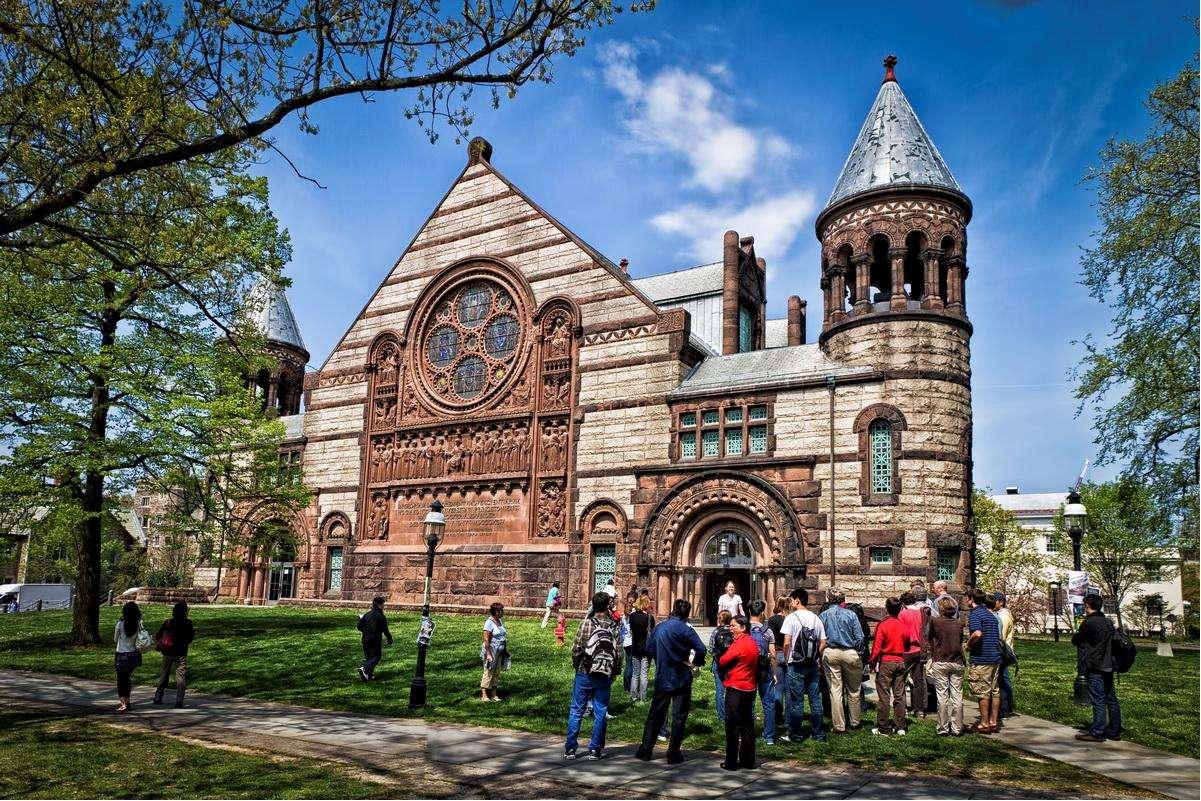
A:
(710, 444)
(688, 445)
(733, 442)
(710, 417)
(880, 437)
(335, 568)
(746, 330)
(758, 412)
(948, 561)
(688, 420)
(734, 415)
(604, 565)
(758, 439)
(881, 556)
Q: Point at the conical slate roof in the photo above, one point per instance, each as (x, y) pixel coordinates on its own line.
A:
(272, 315)
(892, 149)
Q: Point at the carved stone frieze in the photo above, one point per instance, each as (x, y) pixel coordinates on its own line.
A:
(464, 450)
(553, 448)
(552, 508)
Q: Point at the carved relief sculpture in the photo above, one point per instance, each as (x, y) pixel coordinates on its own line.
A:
(379, 517)
(554, 445)
(552, 505)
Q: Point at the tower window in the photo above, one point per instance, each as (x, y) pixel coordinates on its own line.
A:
(746, 330)
(881, 556)
(948, 561)
(880, 438)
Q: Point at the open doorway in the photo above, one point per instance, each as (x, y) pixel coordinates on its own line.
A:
(728, 556)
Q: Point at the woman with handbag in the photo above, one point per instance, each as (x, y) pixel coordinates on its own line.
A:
(494, 653)
(132, 639)
(172, 641)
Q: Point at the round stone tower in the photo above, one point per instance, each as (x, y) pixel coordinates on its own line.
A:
(893, 243)
(282, 388)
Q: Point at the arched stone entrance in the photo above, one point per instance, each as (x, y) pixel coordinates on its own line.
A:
(718, 526)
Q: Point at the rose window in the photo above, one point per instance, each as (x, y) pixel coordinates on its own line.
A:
(471, 341)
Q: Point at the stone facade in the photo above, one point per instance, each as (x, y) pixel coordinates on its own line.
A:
(575, 428)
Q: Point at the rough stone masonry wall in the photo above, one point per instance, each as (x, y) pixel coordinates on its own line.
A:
(931, 510)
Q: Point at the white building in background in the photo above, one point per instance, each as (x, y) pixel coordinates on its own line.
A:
(1036, 511)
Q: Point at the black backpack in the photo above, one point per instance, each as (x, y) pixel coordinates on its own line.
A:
(1123, 650)
(764, 637)
(806, 647)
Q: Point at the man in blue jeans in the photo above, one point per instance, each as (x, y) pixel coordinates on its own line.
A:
(596, 657)
(765, 638)
(804, 640)
(1094, 655)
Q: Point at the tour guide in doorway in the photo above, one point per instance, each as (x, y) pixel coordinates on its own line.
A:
(670, 644)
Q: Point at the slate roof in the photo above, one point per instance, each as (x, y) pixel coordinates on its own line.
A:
(775, 333)
(757, 368)
(272, 314)
(892, 149)
(1031, 502)
(705, 279)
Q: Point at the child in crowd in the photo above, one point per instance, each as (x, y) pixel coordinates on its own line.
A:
(561, 630)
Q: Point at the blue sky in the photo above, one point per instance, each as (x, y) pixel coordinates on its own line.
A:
(671, 127)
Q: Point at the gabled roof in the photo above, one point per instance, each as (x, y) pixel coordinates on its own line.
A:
(775, 333)
(272, 315)
(705, 279)
(892, 149)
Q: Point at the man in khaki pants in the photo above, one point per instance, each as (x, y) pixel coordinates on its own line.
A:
(841, 661)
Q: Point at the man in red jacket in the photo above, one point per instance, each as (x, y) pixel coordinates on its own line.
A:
(741, 665)
(888, 660)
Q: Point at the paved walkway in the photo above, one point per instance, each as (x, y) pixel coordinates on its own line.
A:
(477, 757)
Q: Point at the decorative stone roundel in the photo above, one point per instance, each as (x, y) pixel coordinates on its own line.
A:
(469, 341)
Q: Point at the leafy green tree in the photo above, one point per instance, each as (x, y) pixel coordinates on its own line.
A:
(93, 90)
(1008, 560)
(125, 342)
(1143, 380)
(1127, 531)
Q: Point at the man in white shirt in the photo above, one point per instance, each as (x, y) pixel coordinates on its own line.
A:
(804, 641)
(1005, 623)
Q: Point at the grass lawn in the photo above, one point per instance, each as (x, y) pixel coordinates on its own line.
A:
(47, 755)
(309, 658)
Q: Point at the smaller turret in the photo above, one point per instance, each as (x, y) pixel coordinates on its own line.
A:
(280, 388)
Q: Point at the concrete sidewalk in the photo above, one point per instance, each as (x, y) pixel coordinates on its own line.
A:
(500, 763)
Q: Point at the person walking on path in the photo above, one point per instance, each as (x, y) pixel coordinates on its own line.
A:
(916, 615)
(131, 639)
(1094, 657)
(173, 639)
(888, 660)
(553, 602)
(1005, 621)
(730, 601)
(765, 641)
(984, 644)
(676, 649)
(494, 653)
(374, 626)
(596, 657)
(841, 662)
(641, 623)
(804, 641)
(740, 663)
(946, 666)
(719, 641)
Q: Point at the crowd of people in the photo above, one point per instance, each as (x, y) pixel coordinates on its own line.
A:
(920, 654)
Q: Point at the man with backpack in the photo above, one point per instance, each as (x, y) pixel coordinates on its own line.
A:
(596, 657)
(804, 641)
(841, 660)
(765, 640)
(374, 626)
(1100, 652)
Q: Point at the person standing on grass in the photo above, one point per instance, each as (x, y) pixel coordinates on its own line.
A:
(596, 657)
(740, 664)
(940, 592)
(891, 644)
(374, 626)
(173, 639)
(553, 602)
(494, 653)
(946, 666)
(131, 639)
(676, 649)
(984, 645)
(641, 623)
(776, 624)
(804, 641)
(1094, 659)
(561, 631)
(719, 641)
(765, 641)
(1005, 621)
(841, 661)
(916, 615)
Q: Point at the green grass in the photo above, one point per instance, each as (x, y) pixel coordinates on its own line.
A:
(309, 658)
(47, 755)
(1159, 696)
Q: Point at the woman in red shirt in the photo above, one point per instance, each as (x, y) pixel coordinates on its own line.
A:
(741, 665)
(888, 660)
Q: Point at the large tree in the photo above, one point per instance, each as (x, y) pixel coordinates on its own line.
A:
(1143, 379)
(93, 90)
(1128, 533)
(124, 342)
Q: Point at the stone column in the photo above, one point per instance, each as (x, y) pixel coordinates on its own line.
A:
(863, 283)
(897, 300)
(698, 591)
(258, 593)
(955, 273)
(796, 320)
(827, 304)
(932, 297)
(838, 292)
(663, 597)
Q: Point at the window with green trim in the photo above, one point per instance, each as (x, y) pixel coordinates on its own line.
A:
(880, 445)
(710, 417)
(688, 420)
(881, 556)
(948, 562)
(746, 330)
(734, 415)
(758, 439)
(710, 444)
(734, 441)
(758, 412)
(688, 445)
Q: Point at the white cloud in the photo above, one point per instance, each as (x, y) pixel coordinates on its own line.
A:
(684, 114)
(774, 222)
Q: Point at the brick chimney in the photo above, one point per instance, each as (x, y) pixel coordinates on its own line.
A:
(796, 320)
(731, 257)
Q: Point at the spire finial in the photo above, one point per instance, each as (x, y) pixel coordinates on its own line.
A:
(890, 61)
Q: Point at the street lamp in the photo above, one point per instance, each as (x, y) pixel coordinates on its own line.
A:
(435, 523)
(1075, 517)
(1056, 586)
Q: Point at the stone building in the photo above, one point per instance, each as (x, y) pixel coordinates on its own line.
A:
(579, 424)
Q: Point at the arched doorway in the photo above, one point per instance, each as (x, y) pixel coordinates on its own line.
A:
(728, 555)
(282, 580)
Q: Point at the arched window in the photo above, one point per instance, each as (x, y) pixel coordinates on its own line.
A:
(880, 439)
(728, 549)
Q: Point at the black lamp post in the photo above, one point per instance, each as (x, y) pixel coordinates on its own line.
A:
(1055, 587)
(435, 522)
(1075, 517)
